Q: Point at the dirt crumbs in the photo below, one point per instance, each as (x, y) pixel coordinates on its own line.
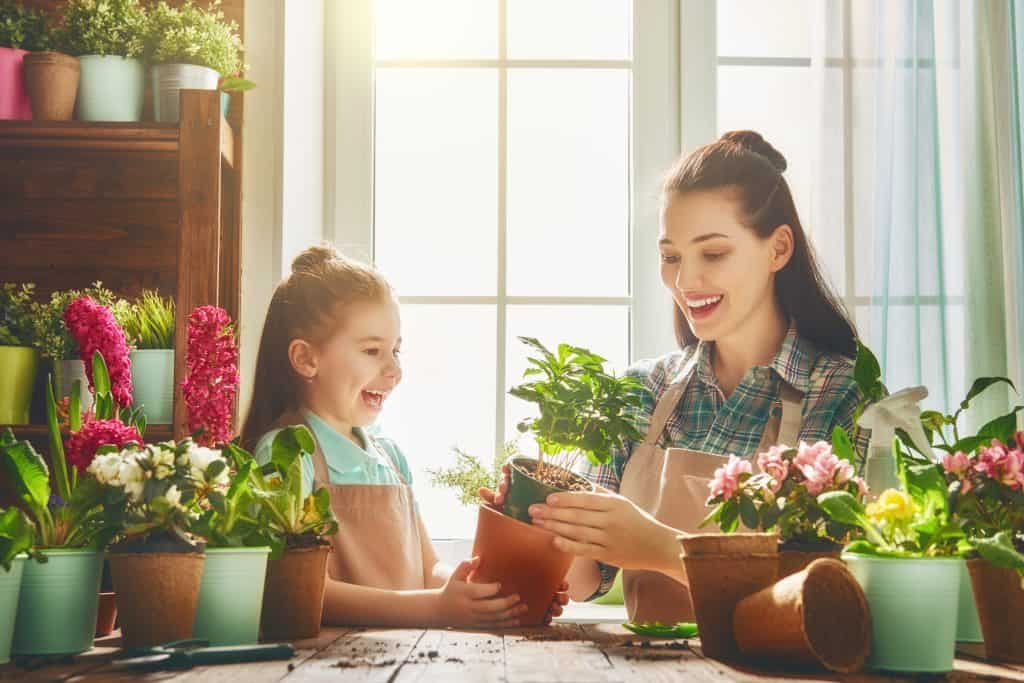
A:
(645, 650)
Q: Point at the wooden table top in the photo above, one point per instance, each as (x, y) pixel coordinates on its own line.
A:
(564, 652)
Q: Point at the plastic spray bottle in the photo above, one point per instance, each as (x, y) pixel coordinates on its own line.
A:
(896, 411)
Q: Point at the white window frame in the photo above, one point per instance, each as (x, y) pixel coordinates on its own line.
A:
(349, 165)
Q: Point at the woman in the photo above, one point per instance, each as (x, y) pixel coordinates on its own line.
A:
(766, 357)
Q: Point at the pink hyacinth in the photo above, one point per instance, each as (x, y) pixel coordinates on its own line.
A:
(774, 465)
(956, 463)
(81, 446)
(93, 328)
(821, 468)
(726, 480)
(211, 383)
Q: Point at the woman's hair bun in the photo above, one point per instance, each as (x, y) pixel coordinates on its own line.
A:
(752, 141)
(313, 259)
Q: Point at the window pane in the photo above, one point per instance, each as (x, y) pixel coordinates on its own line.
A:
(436, 180)
(446, 399)
(568, 180)
(602, 329)
(755, 28)
(569, 29)
(436, 29)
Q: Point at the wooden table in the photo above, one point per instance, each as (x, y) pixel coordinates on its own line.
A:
(564, 652)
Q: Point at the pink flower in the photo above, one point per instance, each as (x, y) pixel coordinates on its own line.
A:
(774, 465)
(81, 446)
(727, 477)
(862, 487)
(1001, 464)
(956, 463)
(94, 329)
(807, 454)
(211, 383)
(821, 468)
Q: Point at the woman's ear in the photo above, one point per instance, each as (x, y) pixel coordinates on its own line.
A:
(303, 358)
(781, 247)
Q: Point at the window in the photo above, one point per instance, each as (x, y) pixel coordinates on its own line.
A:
(503, 189)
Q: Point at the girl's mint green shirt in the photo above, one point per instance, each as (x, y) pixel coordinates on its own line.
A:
(347, 463)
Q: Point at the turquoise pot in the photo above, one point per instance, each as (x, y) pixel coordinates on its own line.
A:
(153, 383)
(10, 588)
(913, 610)
(110, 88)
(225, 103)
(57, 606)
(231, 596)
(968, 625)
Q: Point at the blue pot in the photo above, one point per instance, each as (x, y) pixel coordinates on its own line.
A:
(110, 88)
(153, 384)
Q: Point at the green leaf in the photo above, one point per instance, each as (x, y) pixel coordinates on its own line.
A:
(657, 629)
(843, 507)
(729, 519)
(867, 372)
(218, 502)
(29, 470)
(842, 446)
(60, 466)
(748, 513)
(16, 535)
(289, 444)
(100, 376)
(214, 469)
(980, 385)
(999, 551)
(75, 406)
(1002, 428)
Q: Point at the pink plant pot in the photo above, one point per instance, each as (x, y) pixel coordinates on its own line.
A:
(14, 102)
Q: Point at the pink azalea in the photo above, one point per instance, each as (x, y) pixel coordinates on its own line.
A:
(726, 480)
(956, 463)
(94, 329)
(1004, 465)
(81, 446)
(211, 383)
(808, 454)
(825, 471)
(774, 465)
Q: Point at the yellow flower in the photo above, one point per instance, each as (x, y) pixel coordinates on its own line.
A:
(892, 507)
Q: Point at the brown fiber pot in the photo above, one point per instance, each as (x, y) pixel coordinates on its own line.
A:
(793, 561)
(1000, 598)
(157, 595)
(818, 616)
(106, 614)
(293, 594)
(722, 569)
(51, 79)
(522, 558)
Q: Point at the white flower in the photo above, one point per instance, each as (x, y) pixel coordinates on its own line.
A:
(134, 490)
(105, 468)
(201, 458)
(129, 472)
(173, 496)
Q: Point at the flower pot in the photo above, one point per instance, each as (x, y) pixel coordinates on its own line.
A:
(913, 604)
(17, 377)
(521, 558)
(722, 569)
(524, 490)
(225, 103)
(168, 82)
(293, 596)
(231, 596)
(106, 614)
(14, 102)
(67, 372)
(817, 616)
(968, 625)
(110, 89)
(1000, 598)
(10, 589)
(51, 79)
(793, 561)
(153, 383)
(157, 594)
(57, 607)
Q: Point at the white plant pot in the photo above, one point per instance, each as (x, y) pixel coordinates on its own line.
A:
(168, 82)
(67, 372)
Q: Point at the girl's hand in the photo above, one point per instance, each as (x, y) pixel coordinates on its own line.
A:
(496, 498)
(557, 603)
(476, 605)
(608, 527)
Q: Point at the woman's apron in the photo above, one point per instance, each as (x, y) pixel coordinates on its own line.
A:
(672, 485)
(378, 542)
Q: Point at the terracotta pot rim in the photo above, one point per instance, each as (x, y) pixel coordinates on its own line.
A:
(498, 513)
(731, 556)
(306, 549)
(824, 564)
(51, 56)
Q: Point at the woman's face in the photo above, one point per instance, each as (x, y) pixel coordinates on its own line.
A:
(719, 271)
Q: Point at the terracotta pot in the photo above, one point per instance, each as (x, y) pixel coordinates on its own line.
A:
(793, 561)
(722, 569)
(293, 595)
(106, 615)
(51, 79)
(525, 490)
(522, 558)
(818, 616)
(157, 594)
(1000, 598)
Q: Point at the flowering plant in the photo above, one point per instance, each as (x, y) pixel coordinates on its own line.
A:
(51, 334)
(94, 329)
(211, 382)
(783, 495)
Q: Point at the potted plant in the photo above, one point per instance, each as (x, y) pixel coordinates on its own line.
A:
(297, 529)
(189, 47)
(21, 31)
(210, 387)
(15, 541)
(908, 563)
(106, 36)
(149, 325)
(58, 601)
(18, 357)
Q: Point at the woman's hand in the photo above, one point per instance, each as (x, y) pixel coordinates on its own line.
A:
(476, 605)
(610, 528)
(496, 498)
(557, 603)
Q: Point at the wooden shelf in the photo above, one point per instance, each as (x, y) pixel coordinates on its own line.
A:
(35, 431)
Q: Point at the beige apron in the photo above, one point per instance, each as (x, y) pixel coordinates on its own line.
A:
(672, 485)
(378, 541)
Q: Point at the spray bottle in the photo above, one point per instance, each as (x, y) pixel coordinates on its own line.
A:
(896, 411)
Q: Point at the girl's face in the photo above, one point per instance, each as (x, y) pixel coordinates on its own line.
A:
(719, 271)
(355, 370)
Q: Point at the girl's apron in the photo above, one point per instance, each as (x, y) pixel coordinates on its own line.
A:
(378, 542)
(672, 485)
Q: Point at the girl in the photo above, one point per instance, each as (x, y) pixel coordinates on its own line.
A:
(329, 358)
(766, 357)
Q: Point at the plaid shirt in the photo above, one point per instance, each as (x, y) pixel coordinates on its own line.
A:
(705, 420)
